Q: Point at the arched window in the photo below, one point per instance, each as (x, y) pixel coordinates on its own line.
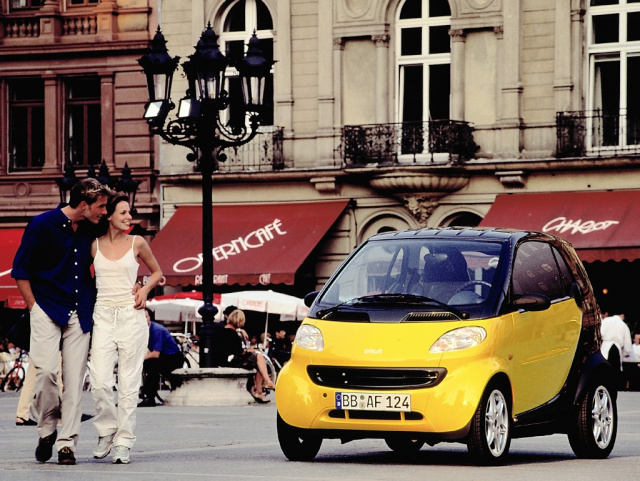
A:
(423, 56)
(239, 21)
(614, 66)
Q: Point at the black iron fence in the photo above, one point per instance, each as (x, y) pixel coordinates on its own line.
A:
(263, 153)
(597, 132)
(447, 140)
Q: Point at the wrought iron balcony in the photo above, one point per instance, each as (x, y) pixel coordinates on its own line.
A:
(263, 153)
(432, 141)
(597, 133)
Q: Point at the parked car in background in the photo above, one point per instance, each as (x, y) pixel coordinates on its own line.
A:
(470, 335)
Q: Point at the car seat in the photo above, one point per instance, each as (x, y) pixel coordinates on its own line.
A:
(445, 272)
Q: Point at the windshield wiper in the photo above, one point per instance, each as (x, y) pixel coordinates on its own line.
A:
(410, 299)
(323, 313)
(392, 299)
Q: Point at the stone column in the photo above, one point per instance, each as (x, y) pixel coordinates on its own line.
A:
(107, 20)
(338, 50)
(54, 134)
(283, 94)
(562, 82)
(325, 70)
(50, 21)
(382, 78)
(511, 73)
(457, 74)
(107, 122)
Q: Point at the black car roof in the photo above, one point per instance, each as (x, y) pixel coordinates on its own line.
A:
(468, 233)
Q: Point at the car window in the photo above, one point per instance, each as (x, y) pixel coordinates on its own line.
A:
(535, 270)
(436, 269)
(565, 273)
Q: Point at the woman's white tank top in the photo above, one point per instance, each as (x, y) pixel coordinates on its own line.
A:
(115, 279)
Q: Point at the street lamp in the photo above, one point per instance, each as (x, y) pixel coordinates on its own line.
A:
(198, 127)
(129, 186)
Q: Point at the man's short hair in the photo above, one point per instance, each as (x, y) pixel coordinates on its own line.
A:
(87, 190)
(229, 310)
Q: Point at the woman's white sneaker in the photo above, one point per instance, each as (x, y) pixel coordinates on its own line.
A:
(121, 455)
(104, 446)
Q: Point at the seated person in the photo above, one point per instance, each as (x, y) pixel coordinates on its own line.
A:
(163, 357)
(281, 347)
(228, 350)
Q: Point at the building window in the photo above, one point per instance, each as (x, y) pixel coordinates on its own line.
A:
(423, 58)
(80, 3)
(26, 124)
(614, 67)
(83, 119)
(239, 21)
(19, 4)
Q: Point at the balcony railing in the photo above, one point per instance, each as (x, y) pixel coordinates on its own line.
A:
(264, 153)
(415, 142)
(597, 133)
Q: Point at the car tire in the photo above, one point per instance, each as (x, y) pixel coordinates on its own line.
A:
(297, 444)
(594, 432)
(490, 434)
(404, 445)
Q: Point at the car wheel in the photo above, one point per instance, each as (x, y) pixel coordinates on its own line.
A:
(594, 433)
(490, 434)
(297, 444)
(404, 445)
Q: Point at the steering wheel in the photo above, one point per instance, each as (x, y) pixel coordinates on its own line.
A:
(469, 284)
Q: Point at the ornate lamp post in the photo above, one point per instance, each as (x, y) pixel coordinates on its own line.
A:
(65, 184)
(124, 184)
(198, 127)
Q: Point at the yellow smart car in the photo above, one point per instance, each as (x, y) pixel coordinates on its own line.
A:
(468, 335)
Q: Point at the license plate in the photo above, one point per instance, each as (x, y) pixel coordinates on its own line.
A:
(369, 401)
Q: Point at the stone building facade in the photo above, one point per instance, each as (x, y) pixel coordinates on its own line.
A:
(420, 113)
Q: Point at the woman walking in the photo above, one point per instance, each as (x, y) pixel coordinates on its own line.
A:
(120, 330)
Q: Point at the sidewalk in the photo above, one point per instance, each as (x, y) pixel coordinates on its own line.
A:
(173, 442)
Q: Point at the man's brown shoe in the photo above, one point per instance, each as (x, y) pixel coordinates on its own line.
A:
(45, 447)
(66, 456)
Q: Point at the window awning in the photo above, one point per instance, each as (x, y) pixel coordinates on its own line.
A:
(9, 243)
(252, 243)
(601, 225)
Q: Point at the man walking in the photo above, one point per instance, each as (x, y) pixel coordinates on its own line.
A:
(52, 272)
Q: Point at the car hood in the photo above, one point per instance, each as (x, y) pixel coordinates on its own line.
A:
(378, 344)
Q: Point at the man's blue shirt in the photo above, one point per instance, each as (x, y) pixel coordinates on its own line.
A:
(160, 339)
(56, 260)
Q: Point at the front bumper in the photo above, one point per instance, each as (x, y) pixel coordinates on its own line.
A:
(444, 408)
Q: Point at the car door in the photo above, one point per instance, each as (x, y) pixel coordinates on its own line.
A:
(544, 341)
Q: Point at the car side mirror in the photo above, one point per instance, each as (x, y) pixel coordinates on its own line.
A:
(309, 298)
(532, 302)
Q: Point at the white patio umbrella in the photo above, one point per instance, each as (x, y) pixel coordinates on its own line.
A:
(181, 310)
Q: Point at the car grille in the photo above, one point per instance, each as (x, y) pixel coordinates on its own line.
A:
(375, 415)
(375, 378)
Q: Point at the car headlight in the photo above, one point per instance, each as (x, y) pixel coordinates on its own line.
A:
(309, 337)
(458, 339)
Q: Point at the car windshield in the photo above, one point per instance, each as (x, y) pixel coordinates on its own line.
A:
(409, 275)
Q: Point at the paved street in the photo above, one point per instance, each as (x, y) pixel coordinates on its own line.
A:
(239, 443)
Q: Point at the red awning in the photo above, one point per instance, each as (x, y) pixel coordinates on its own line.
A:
(602, 226)
(9, 242)
(252, 243)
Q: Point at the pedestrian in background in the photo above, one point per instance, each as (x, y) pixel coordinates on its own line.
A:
(120, 330)
(52, 268)
(616, 343)
(162, 358)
